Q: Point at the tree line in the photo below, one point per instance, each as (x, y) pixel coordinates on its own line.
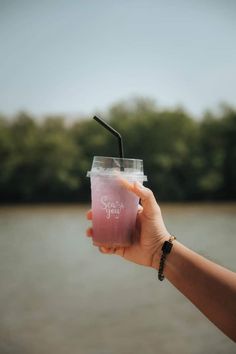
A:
(184, 158)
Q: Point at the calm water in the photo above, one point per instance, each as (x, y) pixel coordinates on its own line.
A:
(60, 295)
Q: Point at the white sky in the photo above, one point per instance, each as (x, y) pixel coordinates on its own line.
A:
(78, 56)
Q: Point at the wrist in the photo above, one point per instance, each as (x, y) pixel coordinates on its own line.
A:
(158, 252)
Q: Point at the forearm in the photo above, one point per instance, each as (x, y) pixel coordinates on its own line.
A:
(207, 285)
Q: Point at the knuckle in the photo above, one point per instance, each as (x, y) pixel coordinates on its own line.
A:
(149, 193)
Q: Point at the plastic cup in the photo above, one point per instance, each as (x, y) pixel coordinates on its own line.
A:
(114, 208)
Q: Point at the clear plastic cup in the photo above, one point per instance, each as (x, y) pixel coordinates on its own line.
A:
(114, 208)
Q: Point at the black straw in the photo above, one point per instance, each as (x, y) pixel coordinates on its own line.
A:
(114, 132)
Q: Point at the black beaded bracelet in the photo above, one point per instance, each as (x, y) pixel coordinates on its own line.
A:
(166, 249)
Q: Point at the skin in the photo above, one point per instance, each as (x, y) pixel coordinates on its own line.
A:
(210, 287)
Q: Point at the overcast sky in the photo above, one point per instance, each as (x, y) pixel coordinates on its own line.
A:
(79, 56)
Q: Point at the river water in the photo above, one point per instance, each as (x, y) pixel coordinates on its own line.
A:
(60, 295)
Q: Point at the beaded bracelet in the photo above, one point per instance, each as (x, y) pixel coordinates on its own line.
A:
(166, 249)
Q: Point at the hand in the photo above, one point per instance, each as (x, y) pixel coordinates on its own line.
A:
(150, 229)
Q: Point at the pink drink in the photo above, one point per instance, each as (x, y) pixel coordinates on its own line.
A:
(114, 207)
(114, 212)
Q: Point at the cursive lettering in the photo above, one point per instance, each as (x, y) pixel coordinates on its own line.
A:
(112, 208)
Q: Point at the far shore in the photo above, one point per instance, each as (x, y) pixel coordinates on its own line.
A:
(191, 205)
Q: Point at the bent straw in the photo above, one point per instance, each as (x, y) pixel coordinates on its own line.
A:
(114, 132)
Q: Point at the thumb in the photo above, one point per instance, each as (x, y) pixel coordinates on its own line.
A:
(148, 201)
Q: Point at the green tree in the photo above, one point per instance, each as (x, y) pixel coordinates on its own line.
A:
(184, 159)
(229, 163)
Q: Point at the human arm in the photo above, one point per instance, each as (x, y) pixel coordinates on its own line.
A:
(210, 287)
